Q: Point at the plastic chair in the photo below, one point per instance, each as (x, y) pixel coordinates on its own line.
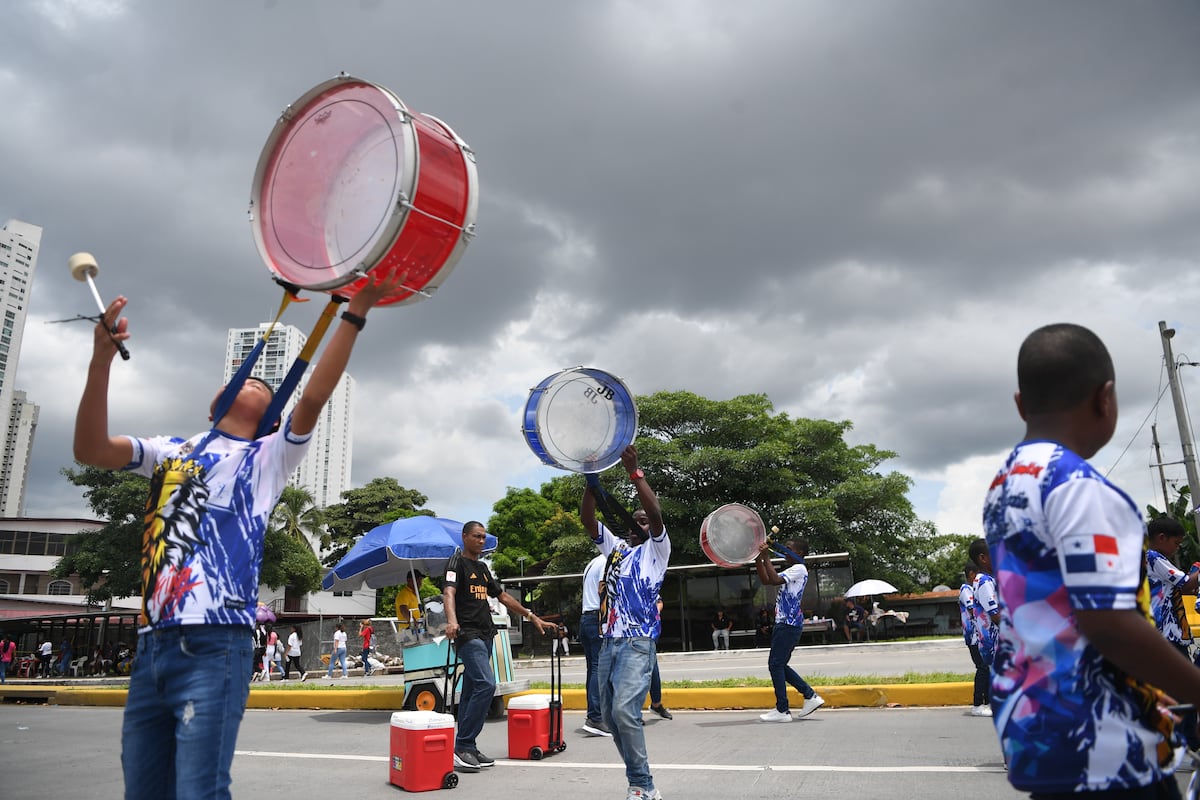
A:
(77, 666)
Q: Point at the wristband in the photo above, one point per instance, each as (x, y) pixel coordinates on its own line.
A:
(637, 473)
(354, 319)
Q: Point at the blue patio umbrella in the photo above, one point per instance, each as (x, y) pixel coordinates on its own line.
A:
(388, 553)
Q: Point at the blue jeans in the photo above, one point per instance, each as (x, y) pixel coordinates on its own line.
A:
(187, 694)
(784, 639)
(4, 671)
(655, 682)
(337, 657)
(478, 689)
(589, 637)
(366, 661)
(625, 666)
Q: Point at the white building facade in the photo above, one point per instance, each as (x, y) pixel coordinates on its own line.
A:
(19, 243)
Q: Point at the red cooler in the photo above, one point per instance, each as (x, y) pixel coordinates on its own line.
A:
(422, 751)
(529, 726)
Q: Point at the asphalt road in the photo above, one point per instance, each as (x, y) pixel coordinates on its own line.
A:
(863, 754)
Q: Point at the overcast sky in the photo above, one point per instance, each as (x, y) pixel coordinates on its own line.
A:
(859, 209)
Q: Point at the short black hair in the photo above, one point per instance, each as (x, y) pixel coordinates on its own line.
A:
(1166, 525)
(1059, 365)
(978, 547)
(470, 526)
(969, 568)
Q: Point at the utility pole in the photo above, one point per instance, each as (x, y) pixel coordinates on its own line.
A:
(1162, 476)
(1181, 417)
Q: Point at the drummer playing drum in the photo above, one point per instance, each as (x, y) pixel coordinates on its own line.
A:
(212, 496)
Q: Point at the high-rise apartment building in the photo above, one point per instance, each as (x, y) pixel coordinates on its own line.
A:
(325, 471)
(18, 447)
(19, 242)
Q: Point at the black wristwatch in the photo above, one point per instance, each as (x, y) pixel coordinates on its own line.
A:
(354, 319)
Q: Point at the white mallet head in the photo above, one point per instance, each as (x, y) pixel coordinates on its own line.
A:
(83, 266)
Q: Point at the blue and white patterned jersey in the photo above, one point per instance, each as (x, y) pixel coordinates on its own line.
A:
(986, 604)
(1166, 601)
(1063, 538)
(211, 497)
(787, 604)
(966, 614)
(632, 579)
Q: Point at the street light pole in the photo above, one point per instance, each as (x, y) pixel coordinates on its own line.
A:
(522, 560)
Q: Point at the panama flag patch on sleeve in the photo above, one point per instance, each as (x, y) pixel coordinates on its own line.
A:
(1092, 552)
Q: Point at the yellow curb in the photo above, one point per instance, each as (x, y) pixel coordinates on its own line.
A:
(753, 697)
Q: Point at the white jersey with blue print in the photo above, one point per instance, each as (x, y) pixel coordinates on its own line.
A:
(791, 592)
(1166, 601)
(966, 614)
(1062, 538)
(632, 579)
(211, 497)
(986, 604)
(591, 584)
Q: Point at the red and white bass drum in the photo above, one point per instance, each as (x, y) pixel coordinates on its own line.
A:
(351, 181)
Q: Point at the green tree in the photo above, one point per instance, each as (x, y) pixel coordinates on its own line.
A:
(288, 561)
(518, 523)
(799, 474)
(946, 558)
(382, 500)
(297, 515)
(108, 561)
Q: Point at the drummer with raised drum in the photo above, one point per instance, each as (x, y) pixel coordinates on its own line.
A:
(629, 621)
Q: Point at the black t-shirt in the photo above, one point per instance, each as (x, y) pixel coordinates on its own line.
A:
(721, 623)
(473, 583)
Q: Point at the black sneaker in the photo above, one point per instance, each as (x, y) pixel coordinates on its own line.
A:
(662, 711)
(596, 728)
(465, 761)
(484, 760)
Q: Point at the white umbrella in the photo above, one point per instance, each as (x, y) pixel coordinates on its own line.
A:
(870, 586)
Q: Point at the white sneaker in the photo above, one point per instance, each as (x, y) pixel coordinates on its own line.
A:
(774, 715)
(981, 711)
(638, 793)
(810, 705)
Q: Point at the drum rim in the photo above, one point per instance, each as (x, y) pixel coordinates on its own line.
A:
(530, 427)
(395, 223)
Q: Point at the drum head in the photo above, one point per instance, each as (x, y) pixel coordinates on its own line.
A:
(732, 535)
(328, 180)
(580, 420)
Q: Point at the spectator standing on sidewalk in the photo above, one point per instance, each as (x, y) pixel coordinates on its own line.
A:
(337, 653)
(366, 632)
(789, 624)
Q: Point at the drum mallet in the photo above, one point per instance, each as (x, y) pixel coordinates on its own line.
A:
(83, 268)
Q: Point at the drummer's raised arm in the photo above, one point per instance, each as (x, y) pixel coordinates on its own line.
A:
(587, 510)
(646, 496)
(336, 356)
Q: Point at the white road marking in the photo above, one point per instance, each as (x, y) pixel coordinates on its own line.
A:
(554, 763)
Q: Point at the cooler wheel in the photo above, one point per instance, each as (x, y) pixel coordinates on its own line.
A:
(450, 781)
(536, 754)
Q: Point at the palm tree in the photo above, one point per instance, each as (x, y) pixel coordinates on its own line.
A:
(297, 515)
